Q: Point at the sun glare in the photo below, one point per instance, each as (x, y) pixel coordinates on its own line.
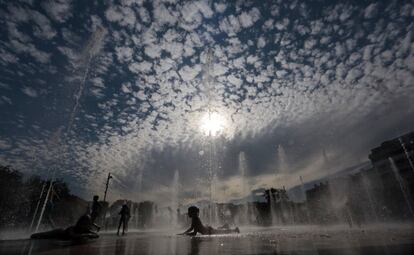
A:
(212, 124)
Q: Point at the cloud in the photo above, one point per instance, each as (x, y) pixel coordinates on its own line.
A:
(174, 48)
(188, 73)
(304, 77)
(247, 19)
(220, 7)
(7, 57)
(142, 67)
(282, 25)
(4, 144)
(41, 25)
(58, 10)
(124, 16)
(261, 42)
(163, 16)
(5, 100)
(124, 54)
(43, 29)
(371, 11)
(230, 25)
(30, 92)
(38, 55)
(234, 80)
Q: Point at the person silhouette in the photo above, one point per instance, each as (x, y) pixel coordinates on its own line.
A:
(125, 214)
(178, 217)
(198, 227)
(82, 229)
(84, 224)
(96, 208)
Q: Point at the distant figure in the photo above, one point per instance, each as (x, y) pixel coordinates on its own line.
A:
(96, 211)
(124, 218)
(198, 227)
(178, 217)
(96, 208)
(170, 213)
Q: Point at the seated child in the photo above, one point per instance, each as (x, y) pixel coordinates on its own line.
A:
(198, 227)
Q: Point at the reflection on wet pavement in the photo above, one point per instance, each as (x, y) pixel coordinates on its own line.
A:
(384, 240)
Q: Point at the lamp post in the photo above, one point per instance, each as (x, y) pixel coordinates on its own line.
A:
(104, 199)
(106, 186)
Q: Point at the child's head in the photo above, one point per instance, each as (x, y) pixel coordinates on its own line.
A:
(193, 211)
(95, 198)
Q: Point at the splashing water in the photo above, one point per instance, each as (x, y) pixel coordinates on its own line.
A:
(402, 184)
(91, 50)
(244, 185)
(303, 190)
(52, 153)
(407, 154)
(174, 196)
(283, 166)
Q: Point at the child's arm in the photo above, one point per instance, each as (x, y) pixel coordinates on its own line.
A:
(187, 231)
(192, 233)
(96, 226)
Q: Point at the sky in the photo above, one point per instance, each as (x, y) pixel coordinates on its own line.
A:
(218, 97)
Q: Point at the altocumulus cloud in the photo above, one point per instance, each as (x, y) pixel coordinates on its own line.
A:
(303, 89)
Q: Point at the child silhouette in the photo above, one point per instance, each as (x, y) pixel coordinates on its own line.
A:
(198, 227)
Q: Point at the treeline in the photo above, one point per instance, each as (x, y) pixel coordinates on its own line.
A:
(21, 198)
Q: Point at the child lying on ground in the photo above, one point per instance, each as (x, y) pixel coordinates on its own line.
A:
(198, 227)
(82, 229)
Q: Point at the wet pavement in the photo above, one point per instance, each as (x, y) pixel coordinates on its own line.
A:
(277, 240)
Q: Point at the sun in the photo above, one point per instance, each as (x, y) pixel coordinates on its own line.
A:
(212, 124)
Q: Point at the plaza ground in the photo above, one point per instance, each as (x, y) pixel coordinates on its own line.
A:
(377, 239)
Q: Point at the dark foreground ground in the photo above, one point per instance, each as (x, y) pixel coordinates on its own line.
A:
(390, 240)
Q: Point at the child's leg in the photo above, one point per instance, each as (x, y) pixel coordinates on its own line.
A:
(119, 226)
(224, 231)
(123, 226)
(225, 226)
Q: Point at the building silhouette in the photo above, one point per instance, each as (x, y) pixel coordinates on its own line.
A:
(393, 165)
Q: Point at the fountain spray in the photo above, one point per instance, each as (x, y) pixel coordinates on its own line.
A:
(91, 50)
(407, 155)
(402, 184)
(37, 205)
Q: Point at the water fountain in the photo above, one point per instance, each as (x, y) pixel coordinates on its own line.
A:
(244, 187)
(213, 209)
(339, 199)
(282, 159)
(368, 189)
(273, 210)
(44, 205)
(302, 187)
(211, 181)
(91, 50)
(53, 151)
(165, 92)
(279, 213)
(407, 154)
(174, 196)
(211, 126)
(403, 186)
